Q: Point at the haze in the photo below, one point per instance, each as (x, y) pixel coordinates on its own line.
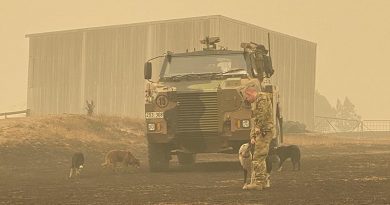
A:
(352, 38)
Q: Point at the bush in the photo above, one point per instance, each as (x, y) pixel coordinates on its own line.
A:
(294, 127)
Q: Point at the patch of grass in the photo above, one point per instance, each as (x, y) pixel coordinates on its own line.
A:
(96, 126)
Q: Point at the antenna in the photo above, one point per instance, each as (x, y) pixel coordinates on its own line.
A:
(269, 45)
(210, 43)
(270, 70)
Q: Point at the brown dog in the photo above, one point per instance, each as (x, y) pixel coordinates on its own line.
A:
(120, 156)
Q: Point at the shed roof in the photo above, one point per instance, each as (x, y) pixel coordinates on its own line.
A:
(159, 22)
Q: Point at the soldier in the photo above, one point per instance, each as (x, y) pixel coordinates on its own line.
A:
(261, 134)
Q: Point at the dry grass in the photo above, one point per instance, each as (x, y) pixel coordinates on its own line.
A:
(62, 128)
(68, 127)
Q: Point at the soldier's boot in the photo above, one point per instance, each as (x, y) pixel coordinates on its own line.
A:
(253, 187)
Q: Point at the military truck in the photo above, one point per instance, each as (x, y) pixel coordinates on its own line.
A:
(197, 103)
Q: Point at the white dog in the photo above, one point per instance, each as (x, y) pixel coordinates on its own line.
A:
(245, 157)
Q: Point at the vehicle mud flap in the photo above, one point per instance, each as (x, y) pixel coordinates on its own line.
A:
(186, 158)
(159, 157)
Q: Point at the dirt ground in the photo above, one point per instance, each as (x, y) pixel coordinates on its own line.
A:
(35, 159)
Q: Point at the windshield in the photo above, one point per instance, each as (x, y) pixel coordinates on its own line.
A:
(223, 64)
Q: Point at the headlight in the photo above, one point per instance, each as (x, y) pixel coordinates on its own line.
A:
(245, 123)
(151, 126)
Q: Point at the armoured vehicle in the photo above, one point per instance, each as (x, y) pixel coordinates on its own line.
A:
(197, 103)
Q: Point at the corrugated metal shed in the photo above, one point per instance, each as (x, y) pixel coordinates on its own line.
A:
(105, 64)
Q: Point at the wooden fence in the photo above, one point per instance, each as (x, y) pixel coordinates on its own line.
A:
(5, 114)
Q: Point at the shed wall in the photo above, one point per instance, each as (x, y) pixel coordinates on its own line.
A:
(106, 64)
(293, 60)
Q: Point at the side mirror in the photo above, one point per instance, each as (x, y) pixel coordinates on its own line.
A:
(148, 71)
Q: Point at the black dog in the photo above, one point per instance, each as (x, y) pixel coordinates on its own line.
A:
(268, 162)
(77, 164)
(285, 152)
(271, 158)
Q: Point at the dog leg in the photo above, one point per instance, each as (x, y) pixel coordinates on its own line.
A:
(299, 160)
(293, 163)
(299, 165)
(114, 167)
(125, 167)
(280, 166)
(245, 175)
(268, 163)
(71, 173)
(281, 163)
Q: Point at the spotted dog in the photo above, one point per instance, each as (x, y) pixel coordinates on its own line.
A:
(77, 164)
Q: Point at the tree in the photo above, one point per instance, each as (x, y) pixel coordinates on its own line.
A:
(322, 107)
(347, 112)
(90, 106)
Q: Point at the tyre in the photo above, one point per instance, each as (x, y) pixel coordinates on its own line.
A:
(158, 157)
(186, 158)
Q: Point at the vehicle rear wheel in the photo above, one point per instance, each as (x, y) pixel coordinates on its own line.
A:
(158, 157)
(186, 158)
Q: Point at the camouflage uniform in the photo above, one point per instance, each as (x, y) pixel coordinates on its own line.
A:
(262, 130)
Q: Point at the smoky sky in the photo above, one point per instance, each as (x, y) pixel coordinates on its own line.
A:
(352, 38)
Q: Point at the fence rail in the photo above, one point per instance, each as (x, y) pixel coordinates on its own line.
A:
(376, 125)
(5, 114)
(335, 125)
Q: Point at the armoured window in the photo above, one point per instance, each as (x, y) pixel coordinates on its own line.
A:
(206, 64)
